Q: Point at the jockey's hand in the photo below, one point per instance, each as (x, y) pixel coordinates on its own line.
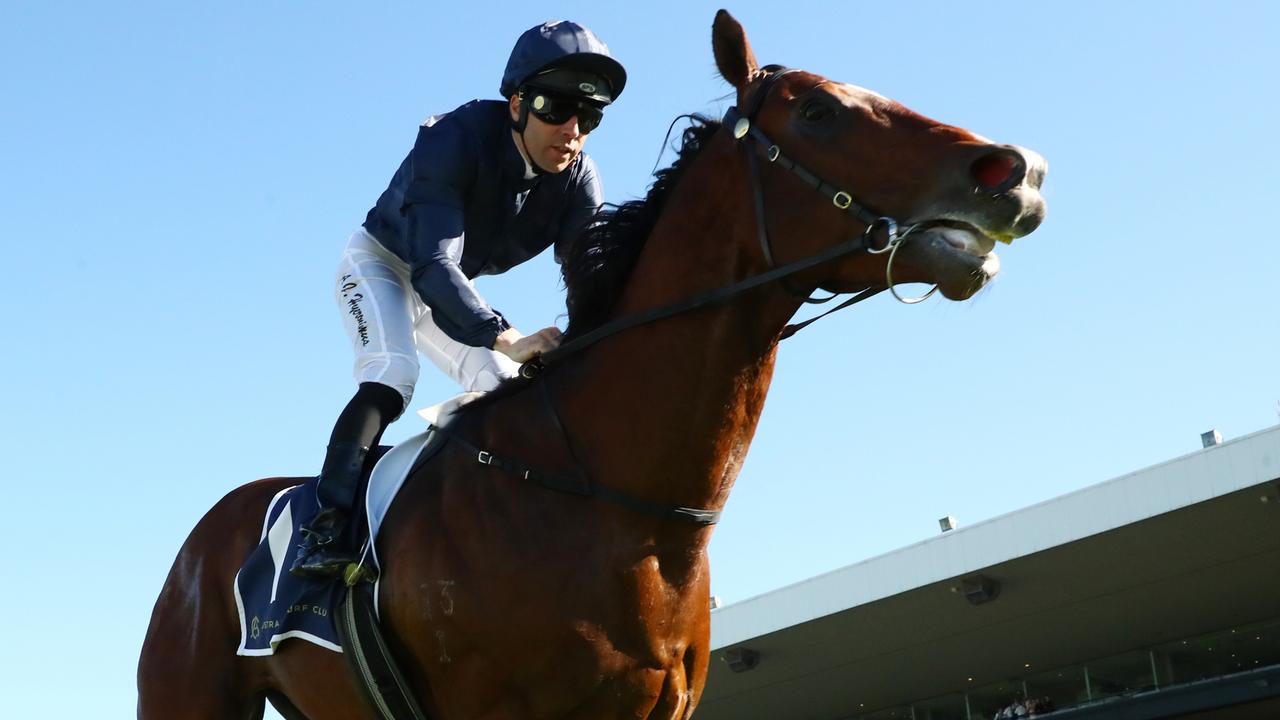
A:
(523, 348)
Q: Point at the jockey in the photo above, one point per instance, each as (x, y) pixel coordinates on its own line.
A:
(485, 187)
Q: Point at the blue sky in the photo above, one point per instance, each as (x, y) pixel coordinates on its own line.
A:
(176, 182)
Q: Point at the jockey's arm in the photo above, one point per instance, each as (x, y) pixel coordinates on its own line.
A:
(579, 209)
(442, 165)
(456, 307)
(437, 236)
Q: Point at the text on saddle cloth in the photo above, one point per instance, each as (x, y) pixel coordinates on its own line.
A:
(273, 604)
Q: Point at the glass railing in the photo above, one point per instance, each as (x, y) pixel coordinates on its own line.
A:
(1217, 654)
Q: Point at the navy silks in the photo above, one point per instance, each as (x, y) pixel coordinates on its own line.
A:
(460, 206)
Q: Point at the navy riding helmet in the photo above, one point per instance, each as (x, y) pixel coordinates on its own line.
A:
(565, 58)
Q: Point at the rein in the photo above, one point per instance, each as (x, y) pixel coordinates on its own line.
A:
(744, 129)
(754, 141)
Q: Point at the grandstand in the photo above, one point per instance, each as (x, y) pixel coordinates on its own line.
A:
(1152, 595)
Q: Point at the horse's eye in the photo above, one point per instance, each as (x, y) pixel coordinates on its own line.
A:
(816, 111)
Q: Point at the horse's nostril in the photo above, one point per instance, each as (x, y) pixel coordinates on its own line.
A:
(998, 171)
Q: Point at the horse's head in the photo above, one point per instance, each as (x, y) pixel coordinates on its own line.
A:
(961, 192)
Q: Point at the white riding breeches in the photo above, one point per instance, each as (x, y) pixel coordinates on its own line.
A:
(389, 325)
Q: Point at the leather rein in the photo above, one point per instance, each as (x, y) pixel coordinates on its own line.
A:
(755, 142)
(742, 125)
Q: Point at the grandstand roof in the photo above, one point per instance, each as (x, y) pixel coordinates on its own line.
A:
(1179, 548)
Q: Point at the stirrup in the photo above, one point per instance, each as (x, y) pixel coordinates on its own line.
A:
(319, 554)
(358, 572)
(314, 562)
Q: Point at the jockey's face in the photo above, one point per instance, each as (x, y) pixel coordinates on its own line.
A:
(552, 147)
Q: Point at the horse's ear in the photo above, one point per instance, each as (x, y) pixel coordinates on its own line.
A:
(733, 53)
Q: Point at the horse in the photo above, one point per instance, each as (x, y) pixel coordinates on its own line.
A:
(504, 599)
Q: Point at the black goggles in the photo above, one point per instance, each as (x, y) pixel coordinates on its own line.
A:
(557, 109)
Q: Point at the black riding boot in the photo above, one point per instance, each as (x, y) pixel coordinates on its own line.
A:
(327, 546)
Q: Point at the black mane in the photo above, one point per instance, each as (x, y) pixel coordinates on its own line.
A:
(604, 255)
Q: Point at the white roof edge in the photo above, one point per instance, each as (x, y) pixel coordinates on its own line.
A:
(1129, 498)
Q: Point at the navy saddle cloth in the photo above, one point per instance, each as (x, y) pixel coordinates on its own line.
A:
(273, 604)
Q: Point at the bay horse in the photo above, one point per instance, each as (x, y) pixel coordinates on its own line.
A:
(504, 599)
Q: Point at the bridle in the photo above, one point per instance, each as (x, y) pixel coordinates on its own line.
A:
(744, 130)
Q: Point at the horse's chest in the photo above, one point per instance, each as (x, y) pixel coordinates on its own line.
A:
(644, 607)
(577, 618)
(658, 601)
(630, 642)
(622, 643)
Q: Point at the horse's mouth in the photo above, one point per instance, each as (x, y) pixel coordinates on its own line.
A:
(959, 257)
(958, 235)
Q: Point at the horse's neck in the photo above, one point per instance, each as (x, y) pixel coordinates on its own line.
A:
(666, 410)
